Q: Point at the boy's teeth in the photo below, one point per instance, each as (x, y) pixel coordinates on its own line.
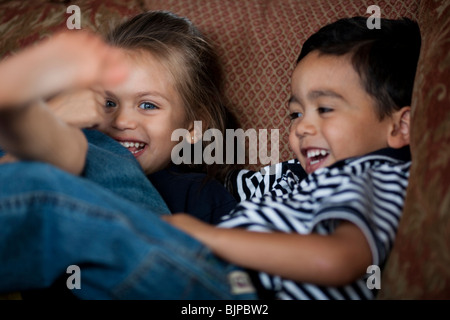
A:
(315, 153)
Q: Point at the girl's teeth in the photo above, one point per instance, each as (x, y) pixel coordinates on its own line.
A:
(132, 144)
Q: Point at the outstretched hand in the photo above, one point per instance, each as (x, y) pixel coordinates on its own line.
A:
(66, 60)
(62, 63)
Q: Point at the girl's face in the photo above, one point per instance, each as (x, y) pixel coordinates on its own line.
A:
(143, 111)
(333, 116)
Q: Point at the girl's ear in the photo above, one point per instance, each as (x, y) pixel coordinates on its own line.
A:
(195, 132)
(399, 134)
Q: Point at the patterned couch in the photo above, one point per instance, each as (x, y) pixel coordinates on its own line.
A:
(258, 42)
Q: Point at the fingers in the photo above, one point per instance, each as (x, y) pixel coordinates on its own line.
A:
(82, 108)
(114, 70)
(67, 60)
(96, 62)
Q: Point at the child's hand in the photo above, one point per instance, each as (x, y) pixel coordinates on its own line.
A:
(81, 108)
(194, 227)
(67, 60)
(7, 158)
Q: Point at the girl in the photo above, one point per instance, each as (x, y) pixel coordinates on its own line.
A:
(156, 75)
(173, 80)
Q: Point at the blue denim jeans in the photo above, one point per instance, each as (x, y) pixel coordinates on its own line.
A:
(50, 220)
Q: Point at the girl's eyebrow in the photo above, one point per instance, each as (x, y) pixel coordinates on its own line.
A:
(110, 94)
(140, 95)
(153, 94)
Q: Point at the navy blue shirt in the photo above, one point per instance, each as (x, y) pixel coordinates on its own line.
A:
(189, 192)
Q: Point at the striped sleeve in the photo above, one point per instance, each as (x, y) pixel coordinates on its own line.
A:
(372, 200)
(246, 184)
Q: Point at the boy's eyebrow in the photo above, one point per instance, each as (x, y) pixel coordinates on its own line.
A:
(293, 99)
(315, 94)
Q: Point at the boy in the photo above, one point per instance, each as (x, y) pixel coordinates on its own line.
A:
(309, 239)
(350, 109)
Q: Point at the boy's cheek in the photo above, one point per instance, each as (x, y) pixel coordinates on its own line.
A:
(294, 145)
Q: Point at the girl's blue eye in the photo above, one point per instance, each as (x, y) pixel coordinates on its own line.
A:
(147, 106)
(295, 115)
(110, 104)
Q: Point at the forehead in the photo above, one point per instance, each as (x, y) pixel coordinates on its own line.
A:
(150, 61)
(323, 76)
(326, 73)
(148, 76)
(320, 65)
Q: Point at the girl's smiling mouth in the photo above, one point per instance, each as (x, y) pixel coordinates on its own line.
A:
(135, 147)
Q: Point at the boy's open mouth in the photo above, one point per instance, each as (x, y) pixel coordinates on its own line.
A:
(314, 158)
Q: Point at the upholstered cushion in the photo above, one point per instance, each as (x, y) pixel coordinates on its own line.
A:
(257, 40)
(418, 267)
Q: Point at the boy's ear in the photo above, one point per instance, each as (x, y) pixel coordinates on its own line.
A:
(399, 133)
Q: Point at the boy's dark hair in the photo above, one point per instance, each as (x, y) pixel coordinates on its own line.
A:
(385, 59)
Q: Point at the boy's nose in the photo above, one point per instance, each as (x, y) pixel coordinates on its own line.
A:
(304, 127)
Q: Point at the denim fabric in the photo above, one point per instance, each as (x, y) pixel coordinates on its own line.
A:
(50, 220)
(111, 165)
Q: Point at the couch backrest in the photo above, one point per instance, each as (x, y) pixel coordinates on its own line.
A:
(418, 266)
(258, 41)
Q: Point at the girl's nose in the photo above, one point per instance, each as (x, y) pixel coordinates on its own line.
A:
(124, 119)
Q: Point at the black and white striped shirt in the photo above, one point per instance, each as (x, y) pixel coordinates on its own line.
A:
(368, 191)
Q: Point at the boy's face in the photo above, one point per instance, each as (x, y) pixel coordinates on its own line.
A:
(143, 111)
(334, 117)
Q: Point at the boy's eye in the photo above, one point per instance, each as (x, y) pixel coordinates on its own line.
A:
(295, 115)
(110, 104)
(147, 106)
(324, 109)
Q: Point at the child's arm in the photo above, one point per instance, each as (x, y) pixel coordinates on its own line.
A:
(332, 260)
(32, 132)
(28, 129)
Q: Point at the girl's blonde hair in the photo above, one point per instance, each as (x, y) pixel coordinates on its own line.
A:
(194, 65)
